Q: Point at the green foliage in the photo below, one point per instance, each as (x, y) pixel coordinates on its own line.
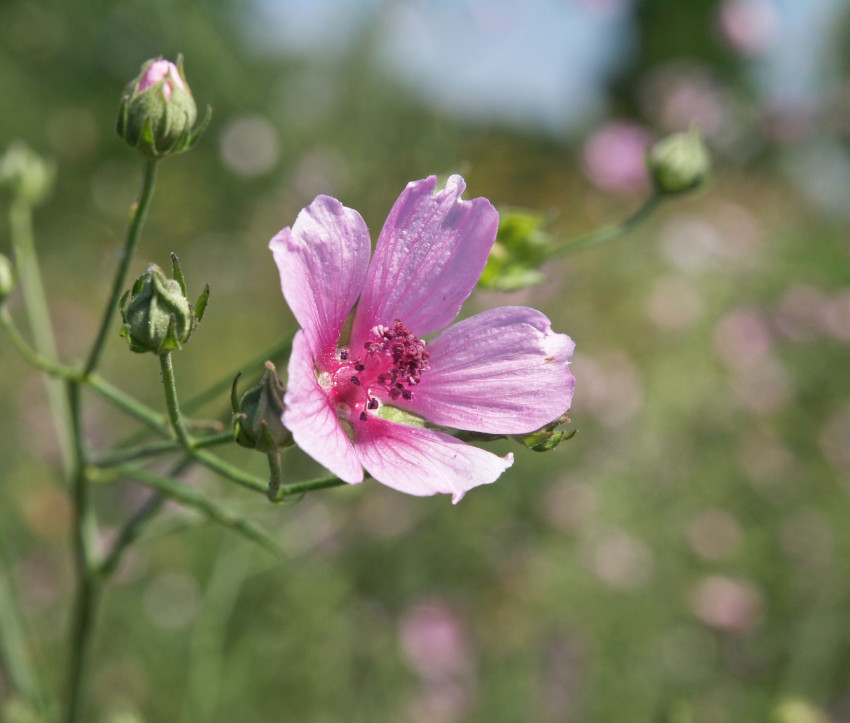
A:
(522, 245)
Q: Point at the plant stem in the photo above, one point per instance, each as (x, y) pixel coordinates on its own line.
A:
(275, 476)
(88, 587)
(38, 314)
(609, 233)
(310, 485)
(121, 455)
(30, 355)
(192, 498)
(137, 219)
(15, 648)
(171, 402)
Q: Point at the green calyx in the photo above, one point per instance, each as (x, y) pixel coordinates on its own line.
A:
(257, 415)
(157, 120)
(679, 163)
(156, 313)
(548, 437)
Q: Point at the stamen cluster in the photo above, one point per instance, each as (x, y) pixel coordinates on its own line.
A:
(409, 358)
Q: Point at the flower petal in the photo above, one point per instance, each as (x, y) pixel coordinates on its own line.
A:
(503, 371)
(428, 258)
(422, 461)
(322, 262)
(312, 420)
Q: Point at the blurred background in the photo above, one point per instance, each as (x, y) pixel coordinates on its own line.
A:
(684, 558)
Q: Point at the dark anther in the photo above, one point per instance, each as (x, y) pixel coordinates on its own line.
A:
(363, 416)
(373, 403)
(343, 354)
(359, 367)
(407, 394)
(355, 381)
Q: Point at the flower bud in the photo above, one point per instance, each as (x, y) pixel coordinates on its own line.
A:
(257, 414)
(7, 278)
(29, 176)
(157, 111)
(679, 163)
(157, 315)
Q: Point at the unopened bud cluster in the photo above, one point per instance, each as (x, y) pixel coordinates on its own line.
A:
(158, 111)
(156, 313)
(257, 415)
(679, 163)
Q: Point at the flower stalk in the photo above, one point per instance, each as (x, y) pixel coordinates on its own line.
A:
(609, 233)
(134, 231)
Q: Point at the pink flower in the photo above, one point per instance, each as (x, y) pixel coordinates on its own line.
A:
(359, 395)
(158, 70)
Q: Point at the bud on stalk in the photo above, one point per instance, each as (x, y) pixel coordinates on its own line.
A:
(158, 111)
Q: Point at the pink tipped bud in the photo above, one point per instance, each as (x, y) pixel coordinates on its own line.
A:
(157, 112)
(157, 71)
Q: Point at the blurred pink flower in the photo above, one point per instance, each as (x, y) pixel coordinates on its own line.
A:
(733, 606)
(158, 70)
(749, 26)
(360, 399)
(433, 641)
(614, 157)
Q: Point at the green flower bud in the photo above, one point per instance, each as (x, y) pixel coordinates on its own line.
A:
(157, 315)
(256, 416)
(679, 163)
(7, 278)
(158, 111)
(29, 176)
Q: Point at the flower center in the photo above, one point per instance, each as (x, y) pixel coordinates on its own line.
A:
(390, 364)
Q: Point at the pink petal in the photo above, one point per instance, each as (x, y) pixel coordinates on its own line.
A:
(322, 261)
(503, 371)
(422, 461)
(312, 420)
(428, 258)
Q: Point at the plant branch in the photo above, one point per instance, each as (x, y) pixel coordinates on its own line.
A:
(38, 314)
(192, 498)
(134, 230)
(609, 233)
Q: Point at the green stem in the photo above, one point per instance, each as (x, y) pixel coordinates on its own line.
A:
(134, 230)
(310, 485)
(119, 456)
(15, 647)
(610, 232)
(147, 416)
(171, 402)
(88, 587)
(38, 314)
(137, 524)
(192, 498)
(28, 353)
(275, 476)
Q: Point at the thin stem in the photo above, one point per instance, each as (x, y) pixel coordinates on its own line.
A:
(275, 476)
(153, 449)
(15, 646)
(134, 529)
(192, 498)
(608, 233)
(310, 485)
(38, 314)
(171, 402)
(143, 413)
(28, 353)
(137, 219)
(88, 588)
